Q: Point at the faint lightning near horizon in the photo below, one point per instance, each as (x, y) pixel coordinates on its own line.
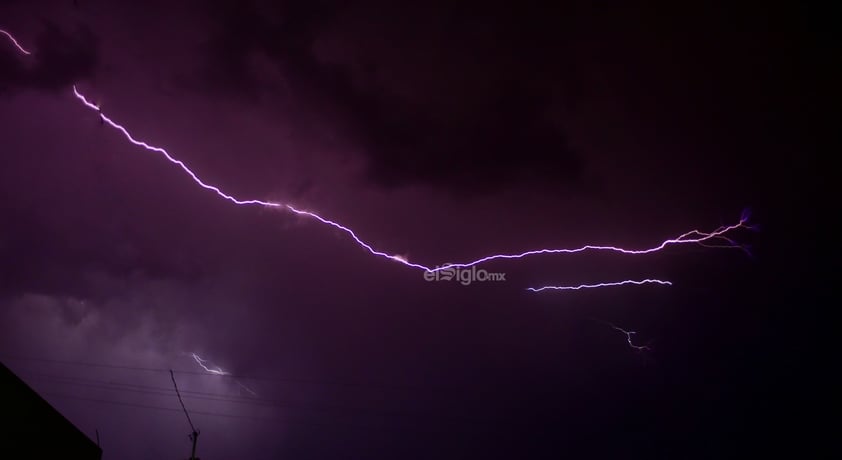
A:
(216, 370)
(201, 362)
(716, 238)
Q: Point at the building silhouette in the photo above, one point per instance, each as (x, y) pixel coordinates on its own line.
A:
(32, 428)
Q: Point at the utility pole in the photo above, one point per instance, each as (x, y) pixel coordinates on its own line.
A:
(194, 435)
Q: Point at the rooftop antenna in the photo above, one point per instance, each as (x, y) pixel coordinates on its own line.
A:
(194, 435)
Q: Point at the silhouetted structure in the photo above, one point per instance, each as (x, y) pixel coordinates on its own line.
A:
(32, 428)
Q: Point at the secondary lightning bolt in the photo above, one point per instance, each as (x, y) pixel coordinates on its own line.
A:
(715, 238)
(201, 362)
(598, 285)
(629, 335)
(204, 364)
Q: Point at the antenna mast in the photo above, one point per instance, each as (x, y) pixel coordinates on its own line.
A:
(194, 435)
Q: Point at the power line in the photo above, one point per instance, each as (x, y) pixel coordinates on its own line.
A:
(156, 391)
(225, 415)
(117, 386)
(217, 397)
(242, 377)
(262, 402)
(147, 406)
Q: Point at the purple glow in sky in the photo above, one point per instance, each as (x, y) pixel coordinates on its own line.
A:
(257, 195)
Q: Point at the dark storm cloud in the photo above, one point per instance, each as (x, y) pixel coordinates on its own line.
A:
(470, 99)
(60, 58)
(111, 255)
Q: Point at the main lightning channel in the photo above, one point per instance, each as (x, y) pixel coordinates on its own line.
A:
(15, 42)
(691, 237)
(715, 238)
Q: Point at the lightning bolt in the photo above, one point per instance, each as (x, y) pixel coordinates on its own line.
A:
(693, 236)
(249, 390)
(598, 285)
(205, 364)
(716, 238)
(201, 362)
(629, 335)
(15, 42)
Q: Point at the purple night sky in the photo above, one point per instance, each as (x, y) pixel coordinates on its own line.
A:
(440, 133)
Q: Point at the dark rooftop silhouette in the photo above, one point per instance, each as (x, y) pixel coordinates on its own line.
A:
(35, 429)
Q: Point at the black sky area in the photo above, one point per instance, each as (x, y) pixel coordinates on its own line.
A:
(443, 132)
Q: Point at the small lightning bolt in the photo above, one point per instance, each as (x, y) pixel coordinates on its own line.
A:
(629, 335)
(201, 362)
(205, 364)
(247, 389)
(598, 285)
